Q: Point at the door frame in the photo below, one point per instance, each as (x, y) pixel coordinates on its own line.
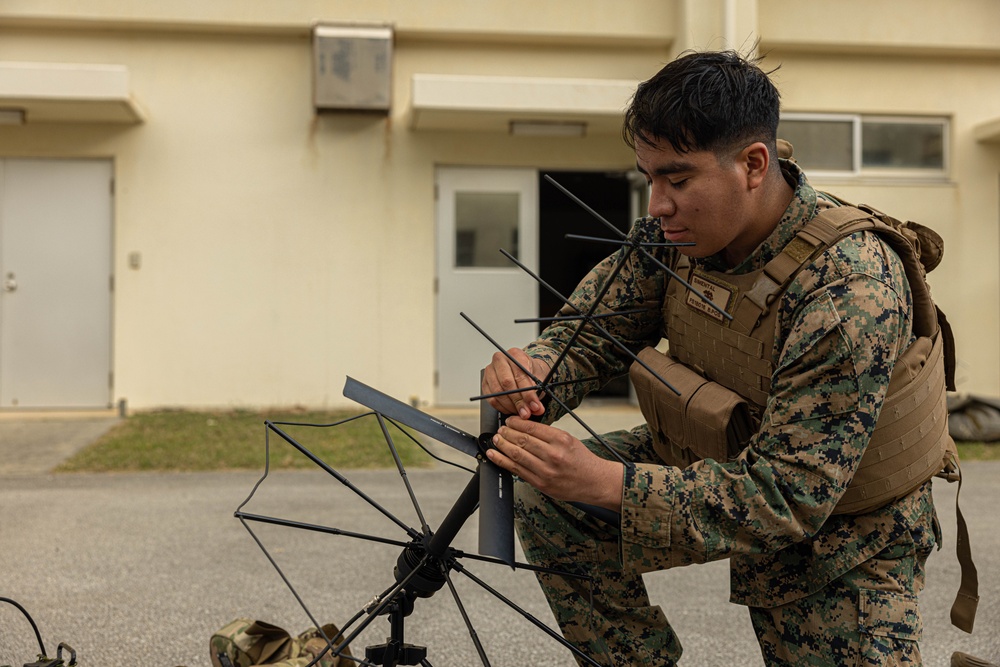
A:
(491, 296)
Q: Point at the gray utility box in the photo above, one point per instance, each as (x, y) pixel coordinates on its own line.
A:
(352, 68)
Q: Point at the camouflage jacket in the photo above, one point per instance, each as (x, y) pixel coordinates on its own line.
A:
(842, 324)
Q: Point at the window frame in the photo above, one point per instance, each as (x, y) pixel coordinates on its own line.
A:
(858, 170)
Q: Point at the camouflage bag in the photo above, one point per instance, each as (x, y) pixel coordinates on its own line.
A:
(248, 643)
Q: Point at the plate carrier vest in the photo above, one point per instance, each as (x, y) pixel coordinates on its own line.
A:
(722, 370)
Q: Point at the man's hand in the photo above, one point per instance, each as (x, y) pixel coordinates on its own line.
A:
(557, 464)
(503, 375)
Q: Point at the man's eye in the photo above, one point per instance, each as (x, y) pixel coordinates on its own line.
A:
(678, 184)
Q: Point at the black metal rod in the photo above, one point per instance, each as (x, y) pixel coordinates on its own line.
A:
(588, 318)
(402, 474)
(343, 480)
(465, 617)
(590, 313)
(281, 574)
(383, 602)
(618, 242)
(534, 621)
(318, 529)
(542, 384)
(537, 387)
(582, 204)
(638, 246)
(458, 553)
(331, 640)
(421, 445)
(575, 318)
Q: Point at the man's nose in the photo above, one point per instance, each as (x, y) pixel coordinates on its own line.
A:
(660, 205)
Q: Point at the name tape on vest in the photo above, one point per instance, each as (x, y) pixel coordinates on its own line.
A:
(715, 291)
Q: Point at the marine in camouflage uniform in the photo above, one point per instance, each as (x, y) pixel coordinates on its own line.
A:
(821, 589)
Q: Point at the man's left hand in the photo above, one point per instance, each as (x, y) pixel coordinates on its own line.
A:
(557, 464)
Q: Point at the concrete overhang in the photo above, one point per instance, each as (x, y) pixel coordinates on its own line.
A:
(494, 103)
(988, 132)
(67, 93)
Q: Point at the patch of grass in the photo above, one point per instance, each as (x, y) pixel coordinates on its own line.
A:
(978, 451)
(178, 440)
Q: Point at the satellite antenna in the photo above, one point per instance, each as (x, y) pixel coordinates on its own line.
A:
(427, 558)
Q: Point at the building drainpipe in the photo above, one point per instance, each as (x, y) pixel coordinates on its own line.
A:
(729, 24)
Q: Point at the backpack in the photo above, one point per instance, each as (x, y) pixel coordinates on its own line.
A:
(249, 643)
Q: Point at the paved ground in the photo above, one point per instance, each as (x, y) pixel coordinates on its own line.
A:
(142, 568)
(35, 442)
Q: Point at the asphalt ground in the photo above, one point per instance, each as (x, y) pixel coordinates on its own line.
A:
(141, 569)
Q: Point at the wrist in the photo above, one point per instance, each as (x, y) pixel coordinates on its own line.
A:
(610, 487)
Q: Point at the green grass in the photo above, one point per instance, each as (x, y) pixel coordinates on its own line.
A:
(178, 440)
(978, 451)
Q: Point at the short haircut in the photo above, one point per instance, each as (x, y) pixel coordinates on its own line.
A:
(718, 101)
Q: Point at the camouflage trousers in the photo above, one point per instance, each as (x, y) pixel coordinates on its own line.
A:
(867, 617)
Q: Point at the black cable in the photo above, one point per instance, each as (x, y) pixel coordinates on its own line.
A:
(38, 636)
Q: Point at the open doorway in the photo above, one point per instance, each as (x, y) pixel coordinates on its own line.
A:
(563, 263)
(480, 209)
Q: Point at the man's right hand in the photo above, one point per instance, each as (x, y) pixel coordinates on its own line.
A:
(503, 375)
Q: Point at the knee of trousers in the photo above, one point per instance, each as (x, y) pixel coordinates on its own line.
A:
(554, 531)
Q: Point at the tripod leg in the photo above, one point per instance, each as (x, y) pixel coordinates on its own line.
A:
(468, 622)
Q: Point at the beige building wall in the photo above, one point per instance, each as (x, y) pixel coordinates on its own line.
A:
(279, 250)
(929, 60)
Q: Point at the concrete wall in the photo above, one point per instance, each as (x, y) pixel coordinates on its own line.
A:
(282, 250)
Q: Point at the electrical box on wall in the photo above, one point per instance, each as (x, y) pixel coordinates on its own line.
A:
(352, 68)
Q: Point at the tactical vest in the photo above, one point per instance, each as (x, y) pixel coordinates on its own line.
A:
(721, 368)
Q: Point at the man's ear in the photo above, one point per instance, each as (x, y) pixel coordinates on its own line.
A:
(755, 160)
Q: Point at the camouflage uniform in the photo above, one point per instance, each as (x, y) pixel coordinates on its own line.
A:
(821, 589)
(248, 643)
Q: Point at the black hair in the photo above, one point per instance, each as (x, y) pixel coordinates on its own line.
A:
(712, 100)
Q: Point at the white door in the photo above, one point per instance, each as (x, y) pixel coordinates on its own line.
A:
(55, 296)
(481, 211)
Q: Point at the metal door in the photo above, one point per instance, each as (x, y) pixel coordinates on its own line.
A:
(479, 212)
(55, 298)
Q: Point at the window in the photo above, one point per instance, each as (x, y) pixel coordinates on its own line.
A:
(484, 222)
(852, 144)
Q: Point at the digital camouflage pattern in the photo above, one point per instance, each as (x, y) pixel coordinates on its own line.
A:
(843, 322)
(249, 643)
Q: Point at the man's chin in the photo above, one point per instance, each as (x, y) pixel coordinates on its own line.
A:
(693, 251)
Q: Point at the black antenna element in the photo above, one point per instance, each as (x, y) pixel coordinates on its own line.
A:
(641, 247)
(427, 558)
(496, 518)
(415, 419)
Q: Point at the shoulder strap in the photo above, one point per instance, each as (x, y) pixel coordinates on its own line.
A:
(847, 220)
(825, 229)
(909, 241)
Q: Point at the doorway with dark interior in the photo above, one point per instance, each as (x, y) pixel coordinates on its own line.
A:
(564, 262)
